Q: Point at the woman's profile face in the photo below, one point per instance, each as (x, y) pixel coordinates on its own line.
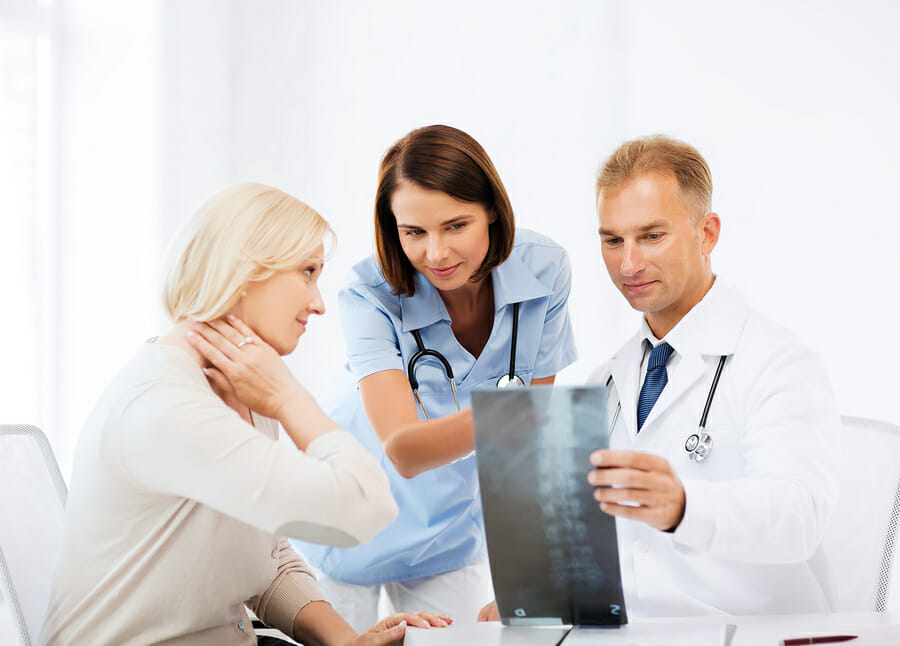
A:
(444, 238)
(279, 307)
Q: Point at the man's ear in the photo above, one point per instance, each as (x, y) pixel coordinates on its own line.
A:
(709, 227)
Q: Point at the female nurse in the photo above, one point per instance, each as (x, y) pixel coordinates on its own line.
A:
(453, 276)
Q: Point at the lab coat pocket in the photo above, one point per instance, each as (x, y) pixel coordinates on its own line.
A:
(723, 460)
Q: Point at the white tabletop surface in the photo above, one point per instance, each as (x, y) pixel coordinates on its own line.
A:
(766, 630)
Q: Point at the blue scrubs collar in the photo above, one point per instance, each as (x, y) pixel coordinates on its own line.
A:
(513, 283)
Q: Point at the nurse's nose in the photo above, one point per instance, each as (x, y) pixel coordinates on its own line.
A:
(437, 250)
(632, 260)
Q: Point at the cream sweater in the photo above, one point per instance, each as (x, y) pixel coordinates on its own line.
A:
(175, 510)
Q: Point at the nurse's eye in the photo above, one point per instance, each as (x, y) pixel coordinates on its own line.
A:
(413, 233)
(456, 226)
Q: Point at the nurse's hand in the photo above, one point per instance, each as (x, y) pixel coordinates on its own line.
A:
(637, 485)
(489, 612)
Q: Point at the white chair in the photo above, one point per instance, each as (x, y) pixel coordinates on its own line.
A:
(32, 501)
(856, 561)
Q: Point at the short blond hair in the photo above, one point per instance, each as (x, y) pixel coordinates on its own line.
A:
(660, 154)
(243, 233)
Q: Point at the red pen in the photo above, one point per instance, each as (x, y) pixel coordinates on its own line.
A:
(827, 639)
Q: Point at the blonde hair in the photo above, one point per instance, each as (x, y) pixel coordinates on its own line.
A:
(243, 233)
(659, 154)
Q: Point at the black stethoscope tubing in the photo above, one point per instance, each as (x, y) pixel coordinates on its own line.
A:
(699, 444)
(508, 380)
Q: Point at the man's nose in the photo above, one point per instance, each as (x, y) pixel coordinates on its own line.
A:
(632, 260)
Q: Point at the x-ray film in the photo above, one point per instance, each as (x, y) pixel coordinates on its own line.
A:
(553, 553)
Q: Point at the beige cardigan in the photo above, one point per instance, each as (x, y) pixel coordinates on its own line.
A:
(175, 509)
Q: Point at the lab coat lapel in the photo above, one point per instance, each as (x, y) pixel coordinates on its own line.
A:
(689, 371)
(711, 328)
(625, 367)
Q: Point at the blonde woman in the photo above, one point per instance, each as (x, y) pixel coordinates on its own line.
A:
(180, 492)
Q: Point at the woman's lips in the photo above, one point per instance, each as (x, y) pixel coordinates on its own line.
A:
(445, 272)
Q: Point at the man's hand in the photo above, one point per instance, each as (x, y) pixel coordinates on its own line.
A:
(489, 612)
(639, 486)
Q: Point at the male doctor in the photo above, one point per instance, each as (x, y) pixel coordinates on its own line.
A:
(730, 526)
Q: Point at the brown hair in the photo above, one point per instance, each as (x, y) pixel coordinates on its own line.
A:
(443, 159)
(659, 154)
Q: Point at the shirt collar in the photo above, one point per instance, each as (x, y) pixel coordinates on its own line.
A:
(711, 327)
(423, 308)
(513, 283)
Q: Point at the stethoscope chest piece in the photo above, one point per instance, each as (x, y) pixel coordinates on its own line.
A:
(510, 382)
(698, 445)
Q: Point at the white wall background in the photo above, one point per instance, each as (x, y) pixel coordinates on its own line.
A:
(157, 104)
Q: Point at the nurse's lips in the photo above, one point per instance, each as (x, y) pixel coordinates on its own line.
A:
(638, 288)
(445, 272)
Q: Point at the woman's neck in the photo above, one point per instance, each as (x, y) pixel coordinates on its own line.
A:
(177, 336)
(471, 315)
(469, 300)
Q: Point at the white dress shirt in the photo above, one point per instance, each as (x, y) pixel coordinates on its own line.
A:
(757, 507)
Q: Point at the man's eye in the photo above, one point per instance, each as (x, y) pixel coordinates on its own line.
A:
(612, 241)
(654, 236)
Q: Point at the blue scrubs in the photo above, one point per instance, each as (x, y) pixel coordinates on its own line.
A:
(440, 526)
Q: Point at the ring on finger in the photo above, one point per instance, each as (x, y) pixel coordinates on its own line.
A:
(244, 341)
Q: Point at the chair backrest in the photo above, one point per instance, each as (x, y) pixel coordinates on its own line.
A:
(857, 558)
(32, 502)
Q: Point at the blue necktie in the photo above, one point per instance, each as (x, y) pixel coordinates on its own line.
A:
(654, 382)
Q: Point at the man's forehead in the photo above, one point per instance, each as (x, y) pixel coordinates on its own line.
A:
(643, 201)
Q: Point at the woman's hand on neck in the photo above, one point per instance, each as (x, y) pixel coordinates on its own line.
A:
(177, 336)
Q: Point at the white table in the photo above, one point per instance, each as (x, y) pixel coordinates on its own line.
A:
(762, 630)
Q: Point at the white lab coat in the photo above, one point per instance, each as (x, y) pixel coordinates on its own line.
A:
(758, 506)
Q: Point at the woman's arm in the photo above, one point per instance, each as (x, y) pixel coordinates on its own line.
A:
(414, 445)
(178, 437)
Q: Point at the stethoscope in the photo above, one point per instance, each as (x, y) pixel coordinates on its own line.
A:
(509, 380)
(699, 444)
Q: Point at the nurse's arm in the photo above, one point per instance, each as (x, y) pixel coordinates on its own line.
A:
(413, 445)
